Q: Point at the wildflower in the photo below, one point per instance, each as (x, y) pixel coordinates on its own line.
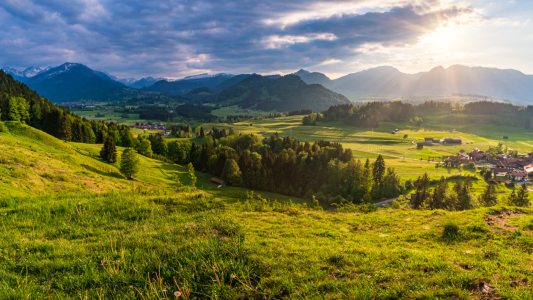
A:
(177, 294)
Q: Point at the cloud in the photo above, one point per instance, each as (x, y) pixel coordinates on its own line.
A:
(179, 37)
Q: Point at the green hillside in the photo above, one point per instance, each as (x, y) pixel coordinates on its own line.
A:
(85, 230)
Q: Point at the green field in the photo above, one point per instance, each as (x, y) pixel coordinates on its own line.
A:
(73, 227)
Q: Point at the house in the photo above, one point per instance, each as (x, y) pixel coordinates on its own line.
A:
(465, 162)
(428, 140)
(217, 181)
(518, 176)
(505, 137)
(452, 141)
(509, 184)
(164, 133)
(500, 172)
(530, 154)
(464, 156)
(528, 169)
(330, 126)
(494, 181)
(419, 146)
(492, 163)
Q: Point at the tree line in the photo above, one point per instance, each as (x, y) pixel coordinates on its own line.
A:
(460, 196)
(283, 165)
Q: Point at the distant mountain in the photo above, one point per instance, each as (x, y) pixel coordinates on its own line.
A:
(376, 82)
(26, 74)
(315, 77)
(76, 82)
(283, 94)
(388, 82)
(230, 82)
(187, 84)
(503, 84)
(144, 82)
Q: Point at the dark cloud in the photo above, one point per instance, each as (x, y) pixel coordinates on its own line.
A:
(168, 38)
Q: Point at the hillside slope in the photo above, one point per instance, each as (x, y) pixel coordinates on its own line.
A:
(76, 82)
(286, 93)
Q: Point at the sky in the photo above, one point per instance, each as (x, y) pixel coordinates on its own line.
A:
(178, 38)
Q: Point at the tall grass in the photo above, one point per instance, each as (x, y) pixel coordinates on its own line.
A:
(121, 245)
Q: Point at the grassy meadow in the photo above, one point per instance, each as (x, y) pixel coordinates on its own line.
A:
(74, 228)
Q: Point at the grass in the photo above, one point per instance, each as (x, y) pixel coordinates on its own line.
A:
(145, 239)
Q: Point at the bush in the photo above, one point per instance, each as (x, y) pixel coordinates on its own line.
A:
(3, 127)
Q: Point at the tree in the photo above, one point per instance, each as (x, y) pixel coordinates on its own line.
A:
(192, 176)
(145, 148)
(231, 174)
(129, 163)
(489, 197)
(521, 198)
(378, 171)
(109, 150)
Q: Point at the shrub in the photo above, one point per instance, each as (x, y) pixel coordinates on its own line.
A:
(3, 128)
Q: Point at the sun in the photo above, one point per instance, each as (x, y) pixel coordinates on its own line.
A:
(443, 38)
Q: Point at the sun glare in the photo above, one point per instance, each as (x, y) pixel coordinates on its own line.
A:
(442, 38)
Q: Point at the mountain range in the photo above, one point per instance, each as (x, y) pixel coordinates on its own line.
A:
(388, 82)
(75, 82)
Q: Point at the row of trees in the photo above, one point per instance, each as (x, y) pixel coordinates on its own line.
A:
(461, 195)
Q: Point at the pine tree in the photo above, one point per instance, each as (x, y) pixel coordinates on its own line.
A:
(109, 150)
(231, 173)
(489, 197)
(64, 132)
(129, 163)
(378, 171)
(521, 198)
(192, 176)
(202, 133)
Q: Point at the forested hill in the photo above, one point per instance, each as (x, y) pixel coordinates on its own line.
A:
(286, 93)
(19, 103)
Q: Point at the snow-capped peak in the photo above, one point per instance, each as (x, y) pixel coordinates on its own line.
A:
(27, 73)
(204, 75)
(32, 71)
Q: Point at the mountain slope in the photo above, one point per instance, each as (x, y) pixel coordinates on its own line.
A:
(285, 93)
(318, 78)
(76, 82)
(144, 82)
(182, 87)
(230, 82)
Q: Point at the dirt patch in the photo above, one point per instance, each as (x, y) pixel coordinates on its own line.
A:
(501, 219)
(484, 290)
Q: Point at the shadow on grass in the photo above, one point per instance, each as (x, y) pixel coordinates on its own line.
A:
(103, 173)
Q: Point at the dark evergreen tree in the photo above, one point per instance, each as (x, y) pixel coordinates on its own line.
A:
(109, 150)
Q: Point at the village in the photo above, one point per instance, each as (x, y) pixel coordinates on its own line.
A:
(508, 168)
